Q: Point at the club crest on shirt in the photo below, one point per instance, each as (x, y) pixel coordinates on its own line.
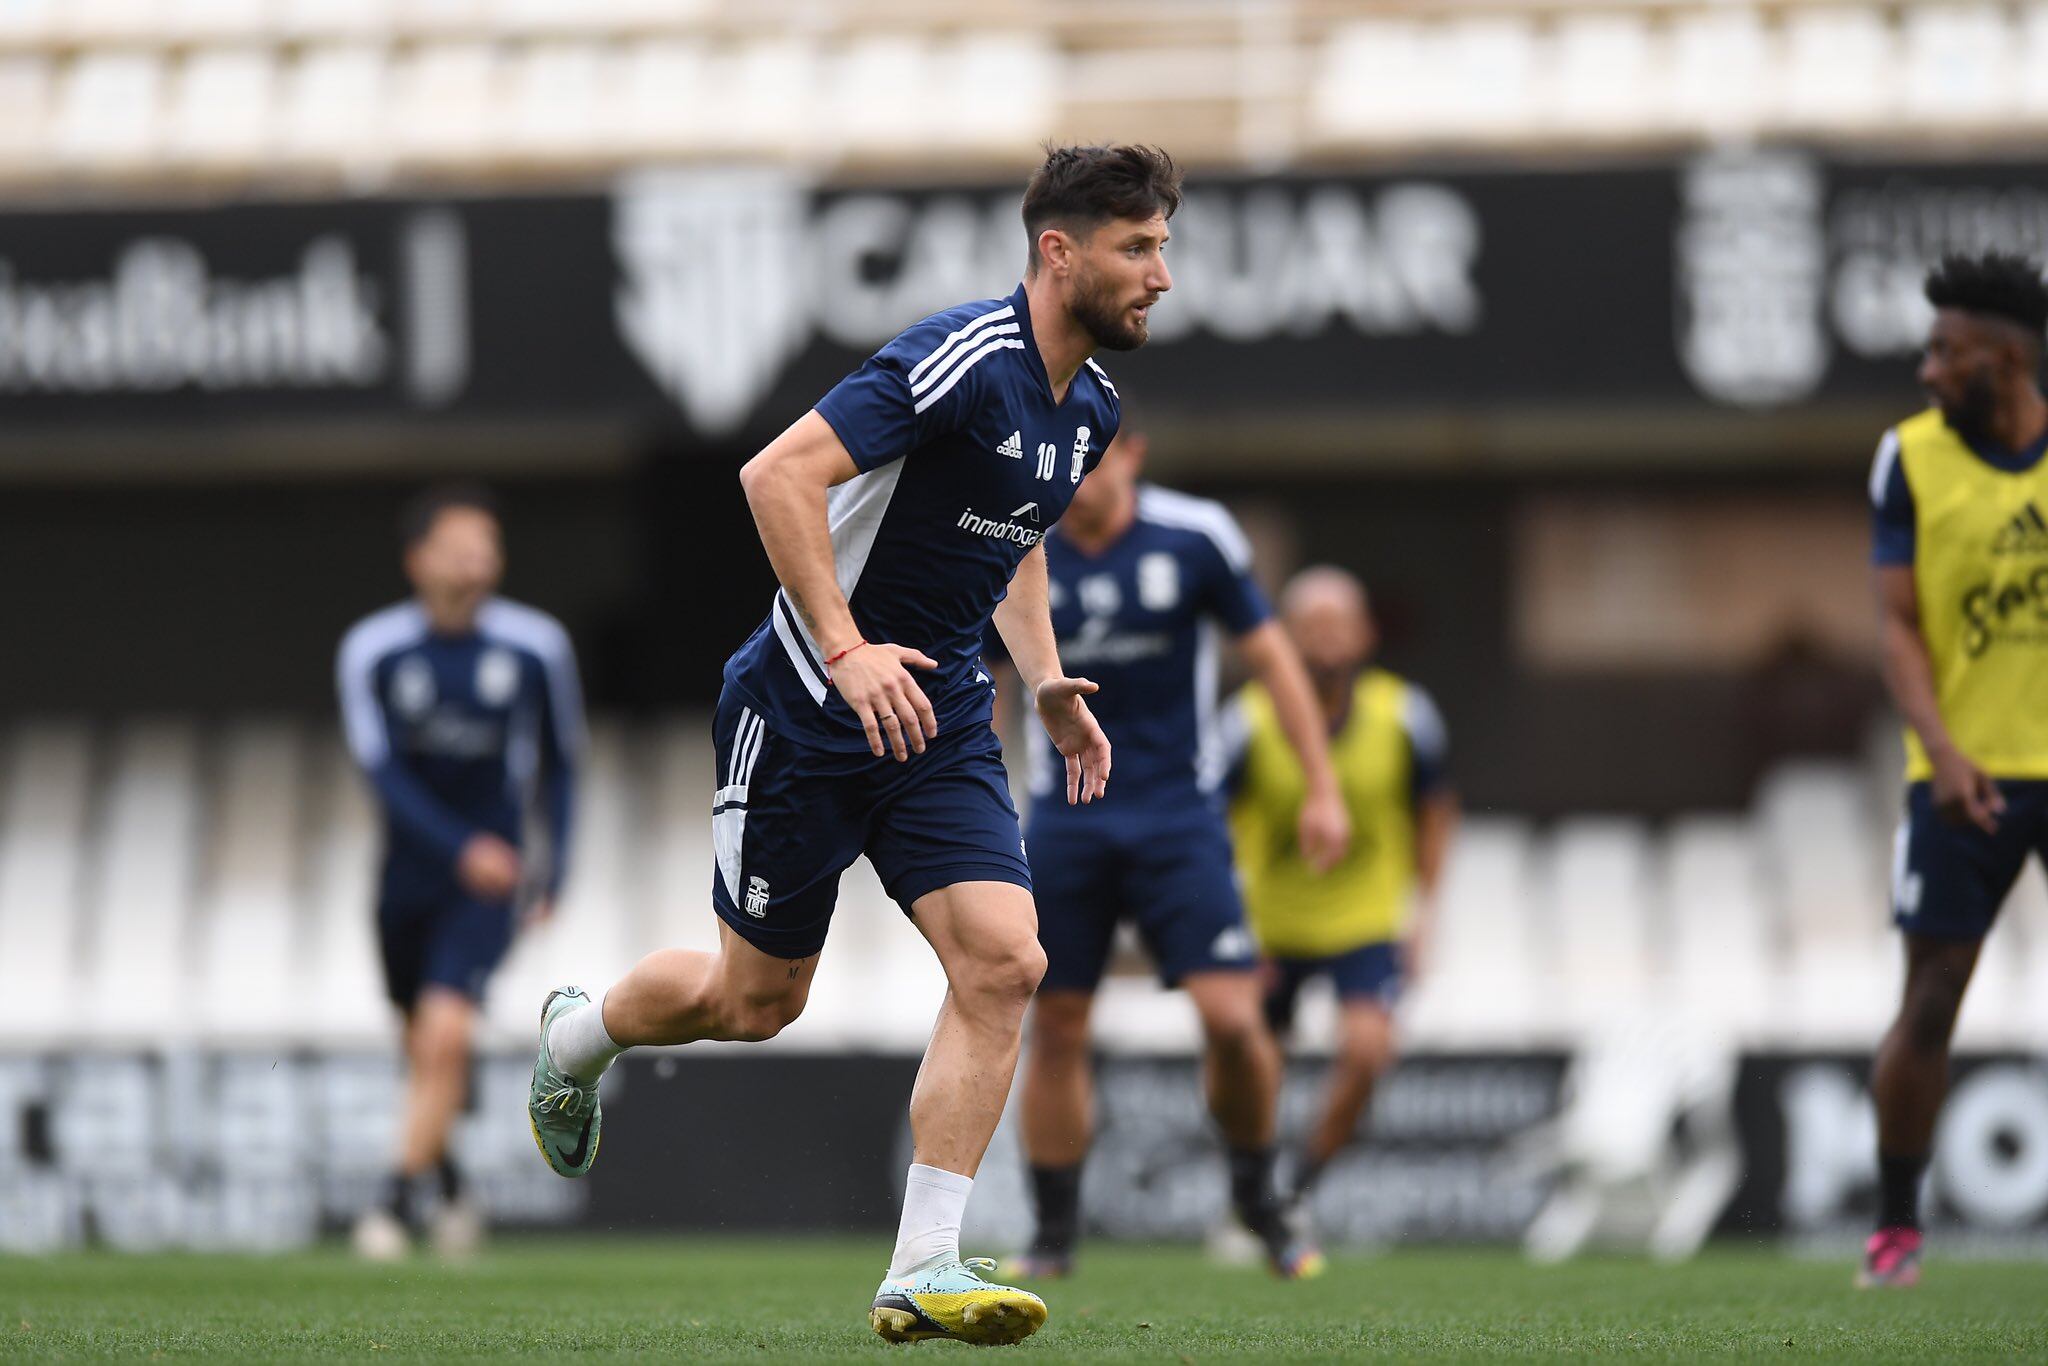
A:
(1100, 597)
(497, 677)
(1158, 581)
(1081, 435)
(412, 688)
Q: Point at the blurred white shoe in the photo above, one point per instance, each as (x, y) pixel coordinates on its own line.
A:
(380, 1237)
(1230, 1243)
(457, 1231)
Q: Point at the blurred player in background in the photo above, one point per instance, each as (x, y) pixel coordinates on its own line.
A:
(902, 515)
(463, 709)
(1142, 578)
(1961, 570)
(1363, 924)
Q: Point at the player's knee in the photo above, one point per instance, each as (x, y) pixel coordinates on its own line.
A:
(1366, 1046)
(1059, 1024)
(440, 1034)
(1237, 1030)
(1928, 1018)
(1008, 973)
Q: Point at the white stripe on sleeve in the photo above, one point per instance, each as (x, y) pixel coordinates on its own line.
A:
(367, 644)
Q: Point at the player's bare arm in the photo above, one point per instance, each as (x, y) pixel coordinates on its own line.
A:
(1962, 791)
(1024, 618)
(785, 486)
(1436, 822)
(1325, 825)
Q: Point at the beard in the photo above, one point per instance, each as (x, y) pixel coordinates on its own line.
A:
(1971, 412)
(1095, 307)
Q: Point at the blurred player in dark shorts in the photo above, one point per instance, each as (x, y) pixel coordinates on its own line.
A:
(1960, 556)
(464, 711)
(1145, 582)
(1361, 924)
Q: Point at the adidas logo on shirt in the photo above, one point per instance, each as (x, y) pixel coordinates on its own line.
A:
(1013, 446)
(2025, 534)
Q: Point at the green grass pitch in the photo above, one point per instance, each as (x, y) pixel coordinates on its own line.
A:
(804, 1299)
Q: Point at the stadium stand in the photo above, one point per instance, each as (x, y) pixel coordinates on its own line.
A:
(242, 852)
(291, 89)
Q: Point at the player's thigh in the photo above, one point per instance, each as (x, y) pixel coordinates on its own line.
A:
(466, 939)
(1180, 887)
(1949, 880)
(986, 936)
(786, 821)
(1074, 883)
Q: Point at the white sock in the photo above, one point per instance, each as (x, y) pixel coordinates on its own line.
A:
(933, 1203)
(578, 1045)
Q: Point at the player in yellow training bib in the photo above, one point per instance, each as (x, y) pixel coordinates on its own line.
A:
(1362, 923)
(1960, 559)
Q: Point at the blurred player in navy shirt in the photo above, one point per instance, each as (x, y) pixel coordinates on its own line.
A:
(1145, 584)
(463, 710)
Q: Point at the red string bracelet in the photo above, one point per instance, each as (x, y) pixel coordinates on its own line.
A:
(844, 653)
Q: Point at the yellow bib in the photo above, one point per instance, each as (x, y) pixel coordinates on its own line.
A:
(1980, 566)
(1364, 899)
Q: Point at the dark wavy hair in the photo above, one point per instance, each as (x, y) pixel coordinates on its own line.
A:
(1996, 284)
(1078, 189)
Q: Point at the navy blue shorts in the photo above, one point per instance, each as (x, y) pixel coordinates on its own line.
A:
(1948, 881)
(455, 943)
(789, 819)
(1371, 972)
(1172, 876)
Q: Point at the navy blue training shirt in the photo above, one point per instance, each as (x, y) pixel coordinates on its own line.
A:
(461, 735)
(965, 463)
(1144, 620)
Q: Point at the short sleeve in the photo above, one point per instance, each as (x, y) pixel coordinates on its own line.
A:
(1892, 534)
(1429, 743)
(1234, 742)
(1234, 596)
(914, 390)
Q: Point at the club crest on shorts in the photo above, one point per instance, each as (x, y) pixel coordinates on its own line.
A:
(757, 897)
(1232, 945)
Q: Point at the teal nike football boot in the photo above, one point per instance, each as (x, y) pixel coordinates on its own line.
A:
(956, 1300)
(564, 1112)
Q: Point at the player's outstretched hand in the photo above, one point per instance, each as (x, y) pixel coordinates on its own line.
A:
(1324, 830)
(1964, 793)
(1075, 734)
(875, 681)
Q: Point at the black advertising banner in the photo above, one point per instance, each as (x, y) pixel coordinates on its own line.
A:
(218, 1150)
(721, 301)
(1809, 1142)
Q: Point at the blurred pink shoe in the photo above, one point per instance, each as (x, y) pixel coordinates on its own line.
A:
(1890, 1259)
